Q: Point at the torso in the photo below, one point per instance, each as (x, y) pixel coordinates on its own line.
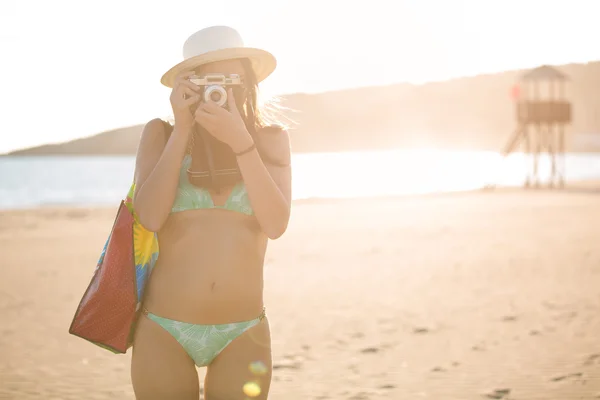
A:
(210, 267)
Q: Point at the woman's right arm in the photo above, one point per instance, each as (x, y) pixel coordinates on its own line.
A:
(159, 157)
(157, 165)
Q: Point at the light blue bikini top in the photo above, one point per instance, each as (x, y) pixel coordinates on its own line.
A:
(191, 197)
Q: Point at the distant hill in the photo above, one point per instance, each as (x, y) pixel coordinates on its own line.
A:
(465, 113)
(121, 141)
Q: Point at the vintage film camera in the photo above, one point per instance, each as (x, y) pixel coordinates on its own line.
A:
(215, 86)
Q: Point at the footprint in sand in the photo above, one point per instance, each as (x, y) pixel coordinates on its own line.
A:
(497, 393)
(370, 350)
(338, 344)
(567, 376)
(565, 316)
(420, 330)
(592, 359)
(290, 361)
(550, 306)
(359, 396)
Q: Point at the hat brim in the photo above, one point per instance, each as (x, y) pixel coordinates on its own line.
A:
(263, 62)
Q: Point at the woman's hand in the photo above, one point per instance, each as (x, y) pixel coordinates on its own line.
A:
(225, 125)
(184, 95)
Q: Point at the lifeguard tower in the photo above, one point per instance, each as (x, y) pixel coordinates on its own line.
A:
(542, 113)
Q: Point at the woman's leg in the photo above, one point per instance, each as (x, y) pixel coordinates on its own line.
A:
(160, 367)
(243, 369)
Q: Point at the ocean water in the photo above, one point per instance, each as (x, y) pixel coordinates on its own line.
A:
(27, 182)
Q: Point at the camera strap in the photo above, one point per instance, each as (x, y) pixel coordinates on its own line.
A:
(209, 158)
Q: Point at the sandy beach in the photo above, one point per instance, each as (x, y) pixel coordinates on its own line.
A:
(458, 296)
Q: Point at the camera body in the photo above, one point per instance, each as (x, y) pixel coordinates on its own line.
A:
(215, 86)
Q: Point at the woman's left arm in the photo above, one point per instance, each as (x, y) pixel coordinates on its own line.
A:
(268, 180)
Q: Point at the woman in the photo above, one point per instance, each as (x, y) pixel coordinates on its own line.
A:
(215, 186)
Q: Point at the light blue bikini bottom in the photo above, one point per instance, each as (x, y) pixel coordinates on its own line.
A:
(204, 342)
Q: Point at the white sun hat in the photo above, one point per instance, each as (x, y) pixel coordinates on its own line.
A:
(217, 43)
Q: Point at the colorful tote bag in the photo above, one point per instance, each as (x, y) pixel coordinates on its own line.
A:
(108, 311)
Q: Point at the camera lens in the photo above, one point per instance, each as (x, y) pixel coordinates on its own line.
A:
(215, 96)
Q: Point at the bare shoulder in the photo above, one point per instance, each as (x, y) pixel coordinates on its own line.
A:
(155, 129)
(154, 137)
(152, 143)
(275, 145)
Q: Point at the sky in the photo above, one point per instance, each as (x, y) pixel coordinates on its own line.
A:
(74, 68)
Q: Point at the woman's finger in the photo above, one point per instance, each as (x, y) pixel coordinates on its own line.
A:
(193, 99)
(231, 102)
(187, 84)
(187, 92)
(203, 115)
(211, 107)
(183, 96)
(184, 75)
